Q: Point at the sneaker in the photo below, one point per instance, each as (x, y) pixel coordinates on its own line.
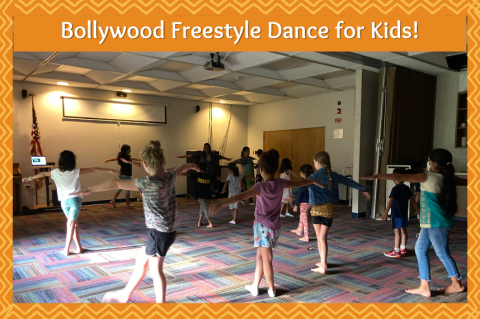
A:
(231, 222)
(392, 253)
(253, 290)
(281, 215)
(403, 251)
(272, 293)
(289, 215)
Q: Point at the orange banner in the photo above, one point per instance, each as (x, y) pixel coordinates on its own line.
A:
(254, 33)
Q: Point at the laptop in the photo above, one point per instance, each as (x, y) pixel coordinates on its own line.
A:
(39, 161)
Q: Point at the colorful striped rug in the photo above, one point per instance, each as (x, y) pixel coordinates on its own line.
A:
(213, 265)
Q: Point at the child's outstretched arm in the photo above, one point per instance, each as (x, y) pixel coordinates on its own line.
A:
(98, 170)
(135, 159)
(40, 175)
(110, 160)
(224, 187)
(185, 156)
(109, 185)
(303, 182)
(351, 183)
(250, 178)
(186, 167)
(131, 162)
(415, 205)
(410, 178)
(387, 209)
(215, 207)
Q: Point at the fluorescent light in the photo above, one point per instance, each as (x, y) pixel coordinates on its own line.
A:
(62, 83)
(222, 101)
(122, 100)
(127, 91)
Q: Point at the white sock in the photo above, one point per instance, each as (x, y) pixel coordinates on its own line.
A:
(402, 247)
(397, 250)
(252, 289)
(272, 293)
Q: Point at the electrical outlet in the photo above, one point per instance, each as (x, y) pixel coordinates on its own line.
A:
(27, 185)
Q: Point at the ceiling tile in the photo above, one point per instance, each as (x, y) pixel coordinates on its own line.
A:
(222, 84)
(140, 78)
(301, 90)
(191, 59)
(99, 56)
(284, 64)
(89, 64)
(313, 82)
(25, 66)
(68, 77)
(132, 85)
(255, 82)
(104, 77)
(283, 85)
(184, 91)
(380, 55)
(227, 101)
(233, 77)
(306, 71)
(434, 58)
(198, 86)
(48, 67)
(337, 83)
(243, 93)
(200, 74)
(415, 65)
(174, 66)
(132, 62)
(158, 55)
(72, 69)
(216, 91)
(42, 80)
(18, 77)
(165, 75)
(164, 85)
(334, 74)
(24, 55)
(268, 90)
(326, 59)
(244, 60)
(266, 73)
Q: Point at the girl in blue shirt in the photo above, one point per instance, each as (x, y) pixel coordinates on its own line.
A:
(438, 205)
(321, 201)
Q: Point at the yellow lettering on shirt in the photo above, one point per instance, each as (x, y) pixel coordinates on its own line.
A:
(203, 181)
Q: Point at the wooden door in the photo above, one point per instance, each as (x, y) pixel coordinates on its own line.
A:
(300, 144)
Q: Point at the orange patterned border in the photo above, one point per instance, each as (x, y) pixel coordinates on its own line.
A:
(10, 8)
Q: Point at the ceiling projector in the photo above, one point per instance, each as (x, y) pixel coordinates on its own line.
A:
(214, 66)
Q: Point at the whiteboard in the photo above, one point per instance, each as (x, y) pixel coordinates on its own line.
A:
(113, 110)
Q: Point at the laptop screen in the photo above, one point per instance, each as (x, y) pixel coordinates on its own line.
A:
(39, 161)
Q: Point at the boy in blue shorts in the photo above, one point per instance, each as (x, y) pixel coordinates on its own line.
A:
(398, 202)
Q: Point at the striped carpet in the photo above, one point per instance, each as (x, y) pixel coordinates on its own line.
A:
(213, 265)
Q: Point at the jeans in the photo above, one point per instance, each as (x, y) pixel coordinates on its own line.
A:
(438, 237)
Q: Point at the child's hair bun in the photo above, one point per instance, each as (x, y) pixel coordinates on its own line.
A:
(273, 153)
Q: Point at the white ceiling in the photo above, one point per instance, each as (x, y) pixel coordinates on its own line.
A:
(249, 77)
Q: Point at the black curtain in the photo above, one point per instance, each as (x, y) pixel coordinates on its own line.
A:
(413, 116)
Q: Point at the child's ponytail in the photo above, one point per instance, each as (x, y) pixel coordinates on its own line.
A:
(123, 153)
(324, 159)
(448, 191)
(234, 168)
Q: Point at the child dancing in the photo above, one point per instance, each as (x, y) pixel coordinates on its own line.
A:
(267, 224)
(67, 180)
(160, 207)
(438, 200)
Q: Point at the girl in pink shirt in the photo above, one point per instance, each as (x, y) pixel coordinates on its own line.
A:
(267, 223)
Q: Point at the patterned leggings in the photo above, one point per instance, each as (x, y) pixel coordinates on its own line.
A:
(304, 210)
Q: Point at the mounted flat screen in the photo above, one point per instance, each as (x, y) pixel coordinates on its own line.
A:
(113, 110)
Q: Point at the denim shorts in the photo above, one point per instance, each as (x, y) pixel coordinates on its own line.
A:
(71, 207)
(124, 177)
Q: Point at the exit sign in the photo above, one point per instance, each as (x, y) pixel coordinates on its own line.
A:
(339, 120)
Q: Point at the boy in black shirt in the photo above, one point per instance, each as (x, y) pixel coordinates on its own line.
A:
(398, 202)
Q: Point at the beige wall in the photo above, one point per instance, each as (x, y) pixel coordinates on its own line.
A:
(448, 85)
(94, 142)
(314, 111)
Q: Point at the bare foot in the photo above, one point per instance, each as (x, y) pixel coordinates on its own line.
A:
(111, 205)
(303, 239)
(320, 269)
(319, 265)
(66, 252)
(78, 251)
(210, 226)
(452, 289)
(199, 224)
(419, 291)
(116, 296)
(293, 231)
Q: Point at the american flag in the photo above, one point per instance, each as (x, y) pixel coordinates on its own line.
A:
(35, 144)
